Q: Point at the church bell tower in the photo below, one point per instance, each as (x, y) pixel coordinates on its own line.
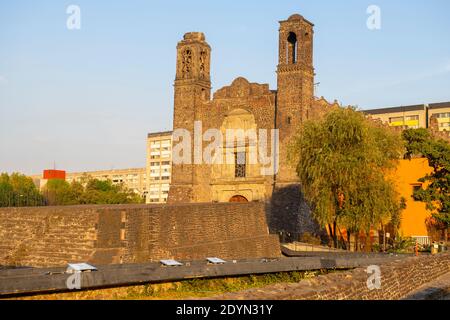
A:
(295, 82)
(192, 88)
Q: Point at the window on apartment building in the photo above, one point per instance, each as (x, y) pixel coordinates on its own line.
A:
(412, 122)
(165, 178)
(154, 163)
(443, 121)
(165, 163)
(443, 115)
(239, 165)
(396, 121)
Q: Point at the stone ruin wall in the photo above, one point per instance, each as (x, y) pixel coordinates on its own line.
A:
(54, 236)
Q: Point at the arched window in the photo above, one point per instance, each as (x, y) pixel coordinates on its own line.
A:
(292, 48)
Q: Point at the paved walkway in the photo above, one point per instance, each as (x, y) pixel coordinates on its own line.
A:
(438, 289)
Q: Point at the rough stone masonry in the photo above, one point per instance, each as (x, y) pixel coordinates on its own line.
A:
(54, 236)
(247, 106)
(398, 279)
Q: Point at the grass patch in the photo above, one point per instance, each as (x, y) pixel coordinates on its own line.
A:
(197, 288)
(194, 288)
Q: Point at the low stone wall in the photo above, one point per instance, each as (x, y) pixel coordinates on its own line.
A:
(47, 236)
(54, 236)
(398, 279)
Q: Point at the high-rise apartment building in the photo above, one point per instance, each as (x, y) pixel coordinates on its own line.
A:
(159, 166)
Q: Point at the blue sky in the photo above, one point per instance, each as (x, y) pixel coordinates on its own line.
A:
(86, 99)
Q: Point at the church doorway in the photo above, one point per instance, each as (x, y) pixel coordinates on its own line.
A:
(238, 199)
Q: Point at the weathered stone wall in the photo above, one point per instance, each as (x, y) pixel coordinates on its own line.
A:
(53, 236)
(196, 231)
(42, 236)
(398, 279)
(284, 109)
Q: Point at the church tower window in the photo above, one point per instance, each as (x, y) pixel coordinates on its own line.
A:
(239, 165)
(292, 48)
(187, 63)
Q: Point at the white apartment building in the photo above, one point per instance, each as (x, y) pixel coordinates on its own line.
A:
(159, 166)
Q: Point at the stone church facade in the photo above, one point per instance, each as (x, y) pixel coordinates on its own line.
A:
(245, 105)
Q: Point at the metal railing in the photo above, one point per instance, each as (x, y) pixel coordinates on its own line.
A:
(307, 247)
(422, 240)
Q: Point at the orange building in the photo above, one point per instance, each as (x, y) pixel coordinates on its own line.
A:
(414, 217)
(54, 174)
(413, 222)
(51, 174)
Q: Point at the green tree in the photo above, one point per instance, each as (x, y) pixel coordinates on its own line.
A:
(6, 190)
(77, 191)
(88, 191)
(59, 192)
(105, 192)
(342, 161)
(18, 190)
(436, 191)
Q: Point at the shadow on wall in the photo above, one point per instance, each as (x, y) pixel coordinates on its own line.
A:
(289, 216)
